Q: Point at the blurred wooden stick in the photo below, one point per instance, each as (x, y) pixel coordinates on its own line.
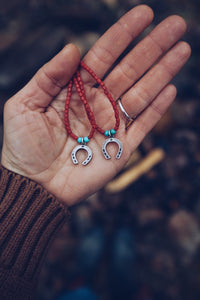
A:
(135, 157)
(132, 174)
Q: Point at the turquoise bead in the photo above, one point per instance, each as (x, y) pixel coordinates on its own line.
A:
(79, 140)
(112, 131)
(85, 139)
(106, 133)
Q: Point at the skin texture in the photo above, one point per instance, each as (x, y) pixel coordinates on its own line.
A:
(36, 144)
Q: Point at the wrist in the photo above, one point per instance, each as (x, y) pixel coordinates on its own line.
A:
(8, 163)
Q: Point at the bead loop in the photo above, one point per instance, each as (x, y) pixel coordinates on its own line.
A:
(108, 95)
(77, 81)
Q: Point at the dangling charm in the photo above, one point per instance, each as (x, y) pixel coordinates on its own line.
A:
(111, 139)
(83, 146)
(81, 140)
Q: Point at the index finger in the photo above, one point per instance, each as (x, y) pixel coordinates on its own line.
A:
(116, 39)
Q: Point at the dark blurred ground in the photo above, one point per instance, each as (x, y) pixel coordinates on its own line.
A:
(142, 243)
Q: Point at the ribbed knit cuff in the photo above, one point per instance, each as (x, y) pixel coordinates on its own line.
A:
(29, 219)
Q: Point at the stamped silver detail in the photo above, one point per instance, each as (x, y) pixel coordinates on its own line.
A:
(112, 140)
(81, 147)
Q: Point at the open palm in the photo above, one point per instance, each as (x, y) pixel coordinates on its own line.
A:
(36, 144)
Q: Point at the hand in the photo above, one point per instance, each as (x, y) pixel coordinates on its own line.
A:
(36, 144)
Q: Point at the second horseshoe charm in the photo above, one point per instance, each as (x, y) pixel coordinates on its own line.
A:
(112, 140)
(81, 147)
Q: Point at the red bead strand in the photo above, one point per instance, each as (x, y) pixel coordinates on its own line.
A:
(66, 116)
(81, 92)
(77, 81)
(109, 96)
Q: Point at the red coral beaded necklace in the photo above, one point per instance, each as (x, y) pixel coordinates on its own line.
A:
(77, 81)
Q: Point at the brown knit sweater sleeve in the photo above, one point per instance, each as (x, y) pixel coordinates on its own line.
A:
(29, 220)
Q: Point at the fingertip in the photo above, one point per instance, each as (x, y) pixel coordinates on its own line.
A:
(183, 51)
(140, 17)
(186, 49)
(178, 22)
(171, 90)
(146, 10)
(72, 49)
(142, 11)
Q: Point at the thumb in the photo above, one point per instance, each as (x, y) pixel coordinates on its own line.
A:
(50, 79)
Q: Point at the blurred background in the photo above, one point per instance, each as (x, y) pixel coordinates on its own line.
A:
(139, 237)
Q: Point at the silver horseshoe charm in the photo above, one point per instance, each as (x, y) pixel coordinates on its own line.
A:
(81, 147)
(112, 140)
